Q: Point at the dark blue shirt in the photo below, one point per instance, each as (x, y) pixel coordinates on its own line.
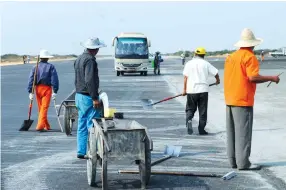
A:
(46, 75)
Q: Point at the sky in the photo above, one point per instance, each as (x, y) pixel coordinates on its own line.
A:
(28, 27)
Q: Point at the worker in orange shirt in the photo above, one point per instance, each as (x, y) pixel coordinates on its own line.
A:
(241, 74)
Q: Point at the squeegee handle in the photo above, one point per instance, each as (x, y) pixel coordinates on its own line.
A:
(166, 99)
(33, 87)
(30, 109)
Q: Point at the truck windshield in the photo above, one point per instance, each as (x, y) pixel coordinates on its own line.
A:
(131, 48)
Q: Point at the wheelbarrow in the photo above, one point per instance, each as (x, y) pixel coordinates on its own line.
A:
(130, 142)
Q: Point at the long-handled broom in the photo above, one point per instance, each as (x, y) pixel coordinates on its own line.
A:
(28, 123)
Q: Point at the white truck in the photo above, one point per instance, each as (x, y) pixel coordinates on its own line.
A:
(131, 53)
(280, 53)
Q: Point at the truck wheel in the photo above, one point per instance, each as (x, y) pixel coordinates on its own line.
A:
(141, 73)
(145, 73)
(122, 73)
(118, 73)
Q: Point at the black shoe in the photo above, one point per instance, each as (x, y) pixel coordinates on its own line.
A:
(189, 127)
(42, 130)
(81, 156)
(252, 167)
(203, 132)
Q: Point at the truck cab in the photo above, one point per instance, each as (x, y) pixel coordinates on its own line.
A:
(131, 53)
(280, 53)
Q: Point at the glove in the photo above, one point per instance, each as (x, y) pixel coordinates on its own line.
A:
(31, 96)
(54, 96)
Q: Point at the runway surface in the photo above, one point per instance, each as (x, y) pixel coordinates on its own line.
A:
(33, 160)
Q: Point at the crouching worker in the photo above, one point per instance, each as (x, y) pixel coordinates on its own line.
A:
(46, 82)
(87, 96)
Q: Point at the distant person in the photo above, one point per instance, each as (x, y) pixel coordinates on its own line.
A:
(241, 73)
(28, 59)
(262, 56)
(196, 87)
(87, 96)
(24, 59)
(46, 81)
(183, 57)
(157, 61)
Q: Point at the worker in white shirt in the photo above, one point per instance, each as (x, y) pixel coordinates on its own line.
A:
(196, 87)
(28, 59)
(183, 57)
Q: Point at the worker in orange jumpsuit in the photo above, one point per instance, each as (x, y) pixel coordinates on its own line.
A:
(262, 56)
(46, 82)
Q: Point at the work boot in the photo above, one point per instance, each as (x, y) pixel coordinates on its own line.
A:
(203, 132)
(252, 167)
(41, 130)
(80, 156)
(189, 127)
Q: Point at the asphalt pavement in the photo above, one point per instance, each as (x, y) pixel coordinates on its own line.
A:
(33, 160)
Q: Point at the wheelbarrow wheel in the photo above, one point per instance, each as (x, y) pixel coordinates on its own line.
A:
(104, 167)
(67, 122)
(104, 175)
(145, 166)
(91, 161)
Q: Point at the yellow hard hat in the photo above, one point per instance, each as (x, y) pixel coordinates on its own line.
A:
(200, 51)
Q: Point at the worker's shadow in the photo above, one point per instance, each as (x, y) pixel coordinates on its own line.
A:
(49, 131)
(270, 129)
(138, 75)
(158, 182)
(182, 154)
(272, 164)
(171, 74)
(199, 153)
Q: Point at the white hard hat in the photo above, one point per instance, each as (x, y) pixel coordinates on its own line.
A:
(45, 54)
(93, 43)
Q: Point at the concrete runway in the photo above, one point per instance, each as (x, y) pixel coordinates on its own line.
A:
(32, 160)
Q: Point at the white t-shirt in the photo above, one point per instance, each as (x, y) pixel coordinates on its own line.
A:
(198, 70)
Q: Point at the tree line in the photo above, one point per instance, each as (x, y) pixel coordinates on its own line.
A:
(221, 52)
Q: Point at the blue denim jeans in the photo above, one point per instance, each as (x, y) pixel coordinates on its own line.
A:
(86, 113)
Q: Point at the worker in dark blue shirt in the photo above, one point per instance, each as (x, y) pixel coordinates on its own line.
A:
(46, 81)
(87, 97)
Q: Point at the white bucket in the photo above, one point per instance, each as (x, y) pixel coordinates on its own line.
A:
(104, 98)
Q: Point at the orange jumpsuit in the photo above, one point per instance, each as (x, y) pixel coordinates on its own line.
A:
(43, 95)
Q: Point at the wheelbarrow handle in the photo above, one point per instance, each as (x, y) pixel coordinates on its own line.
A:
(102, 134)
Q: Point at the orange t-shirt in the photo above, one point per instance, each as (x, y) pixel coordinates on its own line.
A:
(238, 90)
